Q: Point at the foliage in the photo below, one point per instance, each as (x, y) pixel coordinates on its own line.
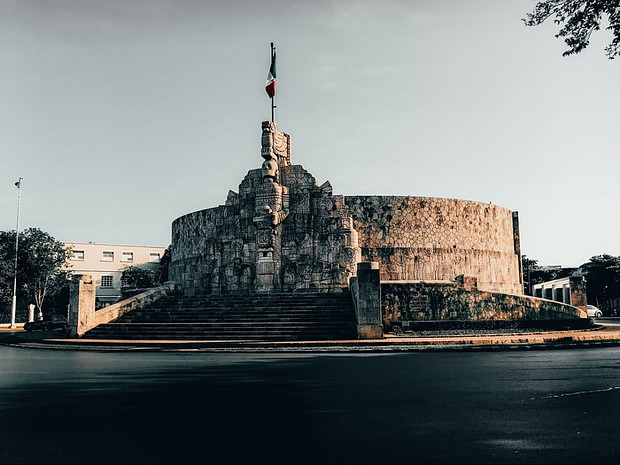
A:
(602, 274)
(7, 268)
(142, 277)
(535, 274)
(138, 277)
(41, 267)
(580, 18)
(164, 264)
(602, 279)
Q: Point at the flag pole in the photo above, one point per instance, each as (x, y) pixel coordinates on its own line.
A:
(18, 184)
(273, 106)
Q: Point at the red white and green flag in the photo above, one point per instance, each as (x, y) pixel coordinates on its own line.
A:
(270, 86)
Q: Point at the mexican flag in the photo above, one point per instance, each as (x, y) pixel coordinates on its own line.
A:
(270, 86)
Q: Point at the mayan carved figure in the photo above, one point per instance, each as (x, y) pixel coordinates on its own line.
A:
(270, 170)
(276, 145)
(271, 206)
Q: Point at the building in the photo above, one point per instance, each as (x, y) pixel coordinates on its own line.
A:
(569, 290)
(106, 262)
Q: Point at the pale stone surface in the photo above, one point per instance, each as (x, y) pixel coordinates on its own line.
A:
(82, 314)
(578, 294)
(427, 238)
(81, 304)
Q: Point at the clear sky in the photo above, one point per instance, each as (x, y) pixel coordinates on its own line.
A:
(124, 115)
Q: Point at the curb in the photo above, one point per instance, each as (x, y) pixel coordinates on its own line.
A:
(570, 339)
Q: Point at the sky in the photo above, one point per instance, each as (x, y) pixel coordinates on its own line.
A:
(121, 116)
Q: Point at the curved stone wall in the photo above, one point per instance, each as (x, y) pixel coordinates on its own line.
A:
(428, 238)
(448, 301)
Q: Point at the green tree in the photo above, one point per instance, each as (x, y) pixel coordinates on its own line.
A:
(579, 19)
(138, 277)
(529, 266)
(164, 264)
(602, 280)
(7, 271)
(41, 267)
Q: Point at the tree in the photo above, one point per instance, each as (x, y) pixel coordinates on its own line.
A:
(164, 265)
(580, 18)
(7, 269)
(602, 280)
(138, 277)
(534, 274)
(41, 270)
(529, 266)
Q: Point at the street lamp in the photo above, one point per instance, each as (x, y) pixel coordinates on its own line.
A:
(18, 184)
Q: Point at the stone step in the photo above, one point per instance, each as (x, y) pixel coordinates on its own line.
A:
(208, 319)
(283, 300)
(292, 316)
(246, 311)
(234, 323)
(193, 332)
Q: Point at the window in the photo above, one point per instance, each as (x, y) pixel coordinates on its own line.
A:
(154, 257)
(107, 256)
(127, 257)
(106, 281)
(78, 255)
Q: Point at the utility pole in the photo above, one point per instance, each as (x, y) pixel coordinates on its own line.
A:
(18, 184)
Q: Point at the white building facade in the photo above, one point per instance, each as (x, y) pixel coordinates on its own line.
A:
(106, 262)
(557, 289)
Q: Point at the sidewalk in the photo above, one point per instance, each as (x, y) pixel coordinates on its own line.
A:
(602, 334)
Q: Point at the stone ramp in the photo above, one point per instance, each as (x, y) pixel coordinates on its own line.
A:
(275, 317)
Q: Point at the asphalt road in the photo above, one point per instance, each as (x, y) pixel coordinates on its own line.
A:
(554, 406)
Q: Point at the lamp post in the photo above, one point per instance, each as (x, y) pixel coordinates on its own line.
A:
(18, 184)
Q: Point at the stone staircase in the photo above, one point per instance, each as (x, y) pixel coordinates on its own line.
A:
(276, 317)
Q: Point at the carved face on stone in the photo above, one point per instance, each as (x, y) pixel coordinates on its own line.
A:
(270, 169)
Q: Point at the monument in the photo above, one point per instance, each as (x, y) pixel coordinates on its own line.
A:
(281, 231)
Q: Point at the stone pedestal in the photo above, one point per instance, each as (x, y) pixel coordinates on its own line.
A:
(368, 301)
(81, 304)
(469, 283)
(578, 295)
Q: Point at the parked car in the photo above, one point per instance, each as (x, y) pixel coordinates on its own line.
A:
(54, 322)
(594, 312)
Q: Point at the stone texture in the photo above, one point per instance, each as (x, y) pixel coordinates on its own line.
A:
(280, 232)
(426, 238)
(81, 304)
(451, 301)
(366, 291)
(578, 296)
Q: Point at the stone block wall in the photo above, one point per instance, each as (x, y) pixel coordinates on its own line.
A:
(306, 243)
(427, 238)
(452, 301)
